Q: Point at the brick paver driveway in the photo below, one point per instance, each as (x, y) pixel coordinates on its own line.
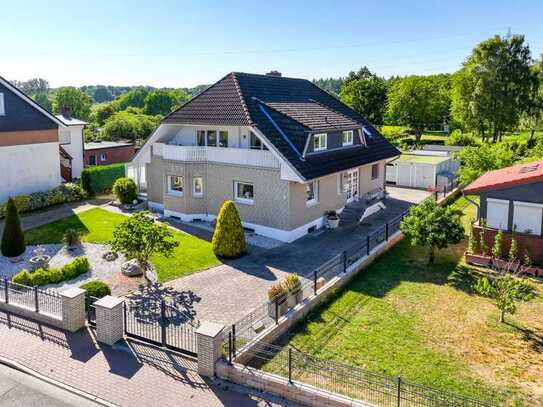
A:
(228, 292)
(131, 374)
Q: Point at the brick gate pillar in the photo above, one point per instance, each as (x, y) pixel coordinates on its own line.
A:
(209, 337)
(109, 319)
(73, 309)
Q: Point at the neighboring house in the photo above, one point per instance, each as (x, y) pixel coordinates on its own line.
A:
(283, 149)
(108, 152)
(511, 199)
(427, 169)
(71, 141)
(30, 145)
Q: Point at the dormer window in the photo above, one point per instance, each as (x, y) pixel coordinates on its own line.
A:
(2, 105)
(347, 138)
(319, 142)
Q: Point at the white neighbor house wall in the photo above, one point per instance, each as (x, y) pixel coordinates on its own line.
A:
(74, 148)
(28, 168)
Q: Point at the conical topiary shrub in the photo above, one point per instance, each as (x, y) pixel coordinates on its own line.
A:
(13, 238)
(228, 239)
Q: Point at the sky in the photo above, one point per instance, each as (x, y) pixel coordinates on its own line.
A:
(166, 43)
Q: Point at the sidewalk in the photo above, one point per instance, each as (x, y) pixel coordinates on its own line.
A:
(129, 374)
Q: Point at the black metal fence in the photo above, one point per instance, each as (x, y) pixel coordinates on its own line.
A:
(162, 324)
(91, 309)
(349, 381)
(32, 298)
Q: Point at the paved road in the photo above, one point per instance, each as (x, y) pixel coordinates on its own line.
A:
(18, 389)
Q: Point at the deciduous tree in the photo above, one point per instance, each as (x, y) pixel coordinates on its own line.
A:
(366, 93)
(78, 102)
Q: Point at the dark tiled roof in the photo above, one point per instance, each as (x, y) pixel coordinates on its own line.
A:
(285, 110)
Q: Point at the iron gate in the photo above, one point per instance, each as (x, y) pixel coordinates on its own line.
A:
(162, 324)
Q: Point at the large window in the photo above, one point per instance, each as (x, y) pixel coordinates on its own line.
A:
(374, 171)
(312, 193)
(197, 186)
(497, 213)
(201, 138)
(2, 105)
(223, 139)
(319, 142)
(527, 217)
(176, 185)
(347, 138)
(212, 138)
(244, 192)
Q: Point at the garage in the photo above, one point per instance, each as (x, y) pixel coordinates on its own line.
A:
(418, 170)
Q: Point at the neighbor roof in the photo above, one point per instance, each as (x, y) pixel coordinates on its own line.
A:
(421, 159)
(70, 121)
(438, 147)
(105, 144)
(507, 177)
(285, 110)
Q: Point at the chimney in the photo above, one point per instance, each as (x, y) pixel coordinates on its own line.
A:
(274, 73)
(67, 112)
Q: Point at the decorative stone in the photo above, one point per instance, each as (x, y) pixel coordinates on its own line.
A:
(321, 281)
(110, 256)
(132, 268)
(135, 202)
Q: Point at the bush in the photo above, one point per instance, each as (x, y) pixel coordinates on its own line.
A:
(457, 138)
(13, 239)
(22, 277)
(55, 276)
(78, 266)
(125, 190)
(96, 289)
(228, 238)
(39, 277)
(292, 283)
(72, 237)
(100, 178)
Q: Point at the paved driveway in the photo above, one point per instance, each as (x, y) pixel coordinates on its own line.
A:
(408, 194)
(226, 293)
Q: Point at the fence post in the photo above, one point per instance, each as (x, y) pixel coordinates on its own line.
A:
(290, 365)
(6, 290)
(276, 310)
(229, 348)
(36, 301)
(125, 317)
(368, 245)
(234, 340)
(344, 261)
(163, 322)
(386, 231)
(399, 390)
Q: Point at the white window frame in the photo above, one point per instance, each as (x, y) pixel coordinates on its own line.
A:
(503, 222)
(246, 201)
(321, 140)
(194, 193)
(2, 105)
(518, 205)
(350, 138)
(173, 191)
(315, 199)
(103, 156)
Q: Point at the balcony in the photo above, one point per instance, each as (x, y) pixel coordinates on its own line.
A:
(239, 156)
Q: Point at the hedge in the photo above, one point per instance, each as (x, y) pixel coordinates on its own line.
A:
(80, 265)
(37, 200)
(100, 178)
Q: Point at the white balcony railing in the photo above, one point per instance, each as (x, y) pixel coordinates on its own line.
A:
(240, 156)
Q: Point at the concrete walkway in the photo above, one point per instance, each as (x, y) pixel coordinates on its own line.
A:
(131, 374)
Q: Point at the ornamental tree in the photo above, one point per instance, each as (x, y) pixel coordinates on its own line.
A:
(13, 239)
(139, 237)
(432, 226)
(228, 238)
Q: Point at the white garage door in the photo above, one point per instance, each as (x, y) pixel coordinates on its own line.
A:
(391, 173)
(404, 175)
(527, 217)
(497, 213)
(424, 177)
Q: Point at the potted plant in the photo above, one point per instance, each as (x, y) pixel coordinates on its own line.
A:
(277, 301)
(471, 255)
(293, 287)
(332, 219)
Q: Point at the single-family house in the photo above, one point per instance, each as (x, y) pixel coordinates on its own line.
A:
(108, 152)
(282, 148)
(511, 199)
(38, 150)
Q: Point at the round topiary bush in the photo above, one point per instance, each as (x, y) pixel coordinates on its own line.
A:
(97, 289)
(13, 239)
(228, 238)
(125, 190)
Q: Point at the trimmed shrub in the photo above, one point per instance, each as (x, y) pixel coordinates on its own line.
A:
(100, 178)
(39, 277)
(228, 238)
(22, 277)
(125, 190)
(55, 276)
(96, 289)
(78, 266)
(13, 239)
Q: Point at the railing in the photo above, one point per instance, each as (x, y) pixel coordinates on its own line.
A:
(241, 156)
(32, 298)
(352, 382)
(90, 309)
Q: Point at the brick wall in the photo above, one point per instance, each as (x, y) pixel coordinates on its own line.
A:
(530, 243)
(114, 155)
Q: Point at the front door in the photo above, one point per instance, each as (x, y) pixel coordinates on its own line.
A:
(350, 185)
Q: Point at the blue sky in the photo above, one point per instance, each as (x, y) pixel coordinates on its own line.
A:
(182, 43)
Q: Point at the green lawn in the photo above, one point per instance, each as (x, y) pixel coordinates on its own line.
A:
(403, 317)
(192, 254)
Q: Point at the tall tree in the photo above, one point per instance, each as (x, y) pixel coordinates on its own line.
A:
(532, 118)
(159, 102)
(13, 242)
(78, 102)
(415, 101)
(43, 100)
(498, 83)
(366, 93)
(34, 86)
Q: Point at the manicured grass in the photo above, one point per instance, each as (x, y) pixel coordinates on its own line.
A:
(192, 254)
(403, 317)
